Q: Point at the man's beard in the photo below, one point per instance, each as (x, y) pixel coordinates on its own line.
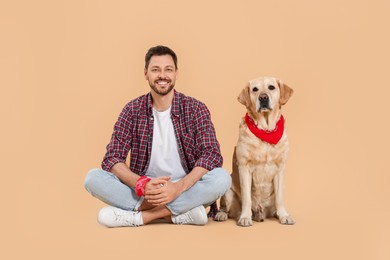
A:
(159, 92)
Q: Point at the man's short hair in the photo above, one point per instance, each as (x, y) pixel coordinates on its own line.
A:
(159, 50)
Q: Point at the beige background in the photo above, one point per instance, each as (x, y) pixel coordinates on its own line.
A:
(68, 67)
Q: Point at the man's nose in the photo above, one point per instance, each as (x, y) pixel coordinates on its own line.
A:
(161, 74)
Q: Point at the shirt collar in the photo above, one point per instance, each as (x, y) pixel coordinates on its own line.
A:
(175, 104)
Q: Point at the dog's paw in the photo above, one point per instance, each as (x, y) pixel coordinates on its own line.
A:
(245, 222)
(286, 220)
(221, 216)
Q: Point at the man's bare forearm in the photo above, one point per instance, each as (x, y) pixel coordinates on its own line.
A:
(191, 178)
(124, 174)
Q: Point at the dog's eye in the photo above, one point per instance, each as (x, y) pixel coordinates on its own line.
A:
(271, 87)
(255, 89)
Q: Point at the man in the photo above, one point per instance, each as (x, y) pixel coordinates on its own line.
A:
(175, 161)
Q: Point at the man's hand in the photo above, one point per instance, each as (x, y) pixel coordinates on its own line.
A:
(157, 183)
(161, 191)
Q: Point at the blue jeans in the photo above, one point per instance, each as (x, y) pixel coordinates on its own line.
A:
(109, 189)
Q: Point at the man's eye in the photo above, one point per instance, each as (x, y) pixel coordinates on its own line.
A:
(255, 89)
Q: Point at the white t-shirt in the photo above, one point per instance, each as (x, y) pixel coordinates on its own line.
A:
(165, 159)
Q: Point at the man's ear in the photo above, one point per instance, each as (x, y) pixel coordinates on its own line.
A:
(244, 97)
(145, 73)
(285, 92)
(177, 73)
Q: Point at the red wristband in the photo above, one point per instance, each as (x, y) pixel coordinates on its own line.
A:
(140, 185)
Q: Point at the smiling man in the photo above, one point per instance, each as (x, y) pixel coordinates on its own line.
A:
(175, 159)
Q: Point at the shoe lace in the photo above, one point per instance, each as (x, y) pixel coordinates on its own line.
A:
(126, 218)
(184, 218)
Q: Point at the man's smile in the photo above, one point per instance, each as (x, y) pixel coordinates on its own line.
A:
(162, 83)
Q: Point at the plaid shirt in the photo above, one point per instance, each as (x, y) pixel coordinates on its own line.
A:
(194, 131)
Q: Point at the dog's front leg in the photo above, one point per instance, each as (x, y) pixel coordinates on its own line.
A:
(245, 219)
(281, 212)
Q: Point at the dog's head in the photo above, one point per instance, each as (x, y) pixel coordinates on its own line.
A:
(265, 94)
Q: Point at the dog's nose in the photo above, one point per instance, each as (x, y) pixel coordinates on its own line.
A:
(263, 97)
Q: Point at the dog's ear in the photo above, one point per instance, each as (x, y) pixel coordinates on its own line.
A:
(244, 97)
(285, 92)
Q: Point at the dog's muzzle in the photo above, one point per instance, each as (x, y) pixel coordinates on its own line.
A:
(264, 102)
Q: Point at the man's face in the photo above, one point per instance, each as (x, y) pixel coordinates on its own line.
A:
(161, 74)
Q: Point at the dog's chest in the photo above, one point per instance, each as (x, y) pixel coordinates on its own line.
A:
(264, 163)
(257, 153)
(265, 154)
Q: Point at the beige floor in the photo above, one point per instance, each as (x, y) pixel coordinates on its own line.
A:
(315, 236)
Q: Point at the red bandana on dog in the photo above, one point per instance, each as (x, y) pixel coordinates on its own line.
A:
(271, 137)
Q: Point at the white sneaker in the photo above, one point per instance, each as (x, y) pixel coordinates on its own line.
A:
(196, 216)
(115, 217)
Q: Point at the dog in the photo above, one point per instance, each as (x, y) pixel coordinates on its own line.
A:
(259, 157)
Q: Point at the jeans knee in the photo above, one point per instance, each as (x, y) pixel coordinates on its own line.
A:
(90, 179)
(223, 180)
(227, 181)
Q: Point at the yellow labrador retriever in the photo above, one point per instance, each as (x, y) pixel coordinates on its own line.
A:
(260, 156)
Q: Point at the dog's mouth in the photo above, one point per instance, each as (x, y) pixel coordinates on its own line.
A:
(264, 103)
(265, 109)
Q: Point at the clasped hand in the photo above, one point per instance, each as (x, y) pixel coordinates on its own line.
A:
(160, 191)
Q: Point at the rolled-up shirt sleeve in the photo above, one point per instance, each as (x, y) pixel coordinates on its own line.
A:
(208, 146)
(120, 143)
